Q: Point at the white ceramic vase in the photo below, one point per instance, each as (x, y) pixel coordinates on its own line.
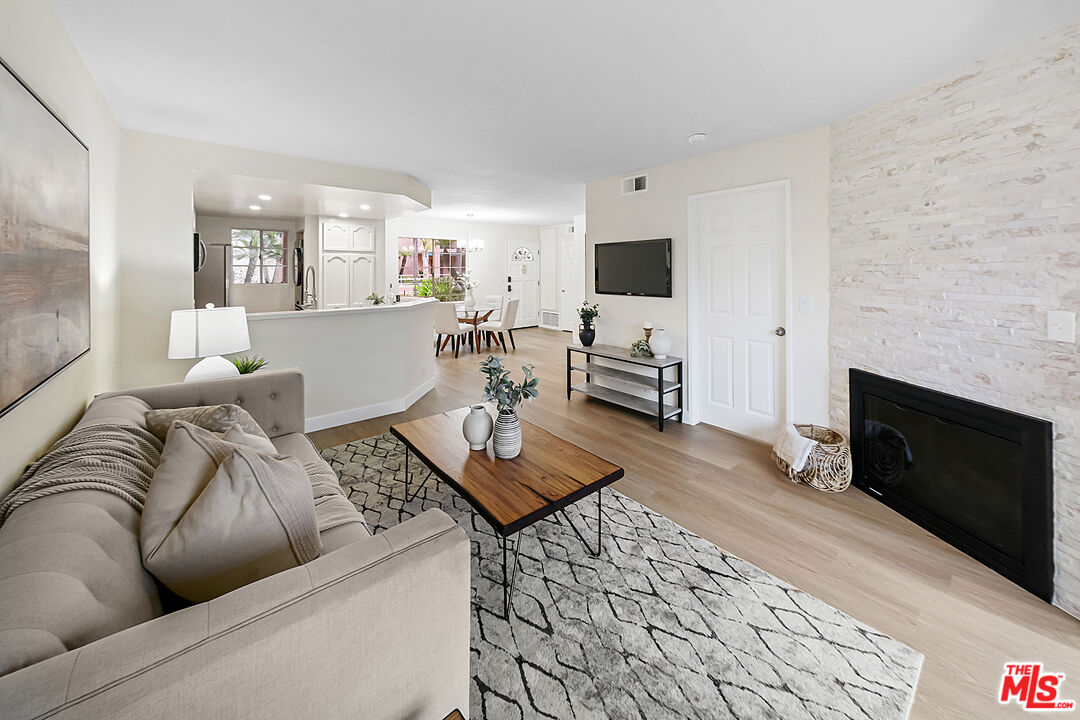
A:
(470, 301)
(660, 344)
(477, 427)
(507, 438)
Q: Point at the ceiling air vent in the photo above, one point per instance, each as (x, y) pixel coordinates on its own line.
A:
(635, 184)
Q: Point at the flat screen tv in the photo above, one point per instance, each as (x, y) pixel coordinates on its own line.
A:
(637, 267)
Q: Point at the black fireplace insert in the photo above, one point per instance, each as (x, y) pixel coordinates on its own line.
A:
(977, 476)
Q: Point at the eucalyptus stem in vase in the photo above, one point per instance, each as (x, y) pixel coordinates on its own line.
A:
(507, 395)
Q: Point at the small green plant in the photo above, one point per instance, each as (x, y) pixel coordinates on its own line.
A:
(444, 289)
(505, 392)
(588, 313)
(248, 363)
(641, 349)
(375, 299)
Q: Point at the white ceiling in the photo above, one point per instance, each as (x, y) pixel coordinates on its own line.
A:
(505, 108)
(233, 196)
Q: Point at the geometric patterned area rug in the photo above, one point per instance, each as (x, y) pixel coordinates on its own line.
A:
(663, 624)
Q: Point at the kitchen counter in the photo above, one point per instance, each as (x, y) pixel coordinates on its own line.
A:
(358, 363)
(297, 314)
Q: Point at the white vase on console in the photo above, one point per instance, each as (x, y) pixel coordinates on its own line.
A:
(660, 344)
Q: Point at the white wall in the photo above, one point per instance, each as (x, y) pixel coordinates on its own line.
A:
(37, 48)
(488, 265)
(662, 212)
(257, 297)
(156, 219)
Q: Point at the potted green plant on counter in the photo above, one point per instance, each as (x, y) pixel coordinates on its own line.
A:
(507, 396)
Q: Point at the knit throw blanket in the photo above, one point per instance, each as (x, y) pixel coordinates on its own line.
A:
(121, 459)
(332, 507)
(113, 458)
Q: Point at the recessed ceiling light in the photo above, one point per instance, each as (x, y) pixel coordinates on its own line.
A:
(343, 214)
(254, 207)
(696, 138)
(365, 206)
(265, 198)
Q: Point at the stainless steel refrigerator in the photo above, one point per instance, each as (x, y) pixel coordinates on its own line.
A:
(211, 274)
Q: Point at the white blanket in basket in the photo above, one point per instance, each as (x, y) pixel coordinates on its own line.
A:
(793, 447)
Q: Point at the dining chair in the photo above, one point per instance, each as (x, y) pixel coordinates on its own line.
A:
(503, 324)
(495, 301)
(447, 325)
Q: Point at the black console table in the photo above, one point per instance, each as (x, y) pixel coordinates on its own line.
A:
(658, 408)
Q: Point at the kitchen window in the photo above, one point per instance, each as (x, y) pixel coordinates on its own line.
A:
(258, 256)
(430, 267)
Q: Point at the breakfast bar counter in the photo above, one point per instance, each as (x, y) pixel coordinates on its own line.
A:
(358, 363)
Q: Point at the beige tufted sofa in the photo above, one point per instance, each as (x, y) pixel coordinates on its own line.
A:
(376, 627)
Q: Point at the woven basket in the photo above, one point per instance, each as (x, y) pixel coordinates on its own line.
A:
(829, 466)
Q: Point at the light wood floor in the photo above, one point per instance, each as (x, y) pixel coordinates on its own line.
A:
(848, 549)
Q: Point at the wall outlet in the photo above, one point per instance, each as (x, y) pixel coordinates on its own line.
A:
(806, 304)
(1061, 326)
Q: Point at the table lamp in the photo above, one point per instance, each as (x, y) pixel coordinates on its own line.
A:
(208, 333)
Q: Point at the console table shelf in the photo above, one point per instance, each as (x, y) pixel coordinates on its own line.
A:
(659, 408)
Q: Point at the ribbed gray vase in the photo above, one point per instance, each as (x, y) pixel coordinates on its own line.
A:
(507, 438)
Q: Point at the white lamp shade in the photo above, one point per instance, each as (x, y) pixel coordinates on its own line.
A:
(207, 332)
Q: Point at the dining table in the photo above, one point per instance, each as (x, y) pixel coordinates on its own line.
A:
(474, 316)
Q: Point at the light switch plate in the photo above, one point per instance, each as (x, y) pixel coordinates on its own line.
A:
(806, 304)
(1061, 326)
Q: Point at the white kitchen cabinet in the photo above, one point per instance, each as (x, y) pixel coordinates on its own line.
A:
(361, 238)
(348, 257)
(361, 278)
(335, 280)
(336, 236)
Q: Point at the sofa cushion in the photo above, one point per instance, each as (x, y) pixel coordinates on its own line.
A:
(70, 573)
(215, 418)
(70, 565)
(221, 515)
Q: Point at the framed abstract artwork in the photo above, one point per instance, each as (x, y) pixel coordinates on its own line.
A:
(44, 243)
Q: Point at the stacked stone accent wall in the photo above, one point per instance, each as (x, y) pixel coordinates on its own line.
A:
(955, 212)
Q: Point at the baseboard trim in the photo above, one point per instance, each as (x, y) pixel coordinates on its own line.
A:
(344, 417)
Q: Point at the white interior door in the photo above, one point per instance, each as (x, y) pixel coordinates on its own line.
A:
(738, 246)
(549, 277)
(571, 280)
(523, 280)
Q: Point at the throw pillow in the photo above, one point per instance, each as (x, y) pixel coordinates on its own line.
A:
(215, 418)
(219, 515)
(237, 436)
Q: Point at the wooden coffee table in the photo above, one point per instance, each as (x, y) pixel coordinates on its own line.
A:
(549, 475)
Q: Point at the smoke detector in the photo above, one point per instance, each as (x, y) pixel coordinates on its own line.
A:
(696, 138)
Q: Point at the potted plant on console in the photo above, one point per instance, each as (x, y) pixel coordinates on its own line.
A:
(588, 313)
(507, 395)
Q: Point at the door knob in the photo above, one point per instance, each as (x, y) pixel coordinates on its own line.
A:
(780, 331)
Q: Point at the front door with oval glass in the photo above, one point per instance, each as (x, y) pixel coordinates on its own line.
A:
(739, 298)
(523, 280)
